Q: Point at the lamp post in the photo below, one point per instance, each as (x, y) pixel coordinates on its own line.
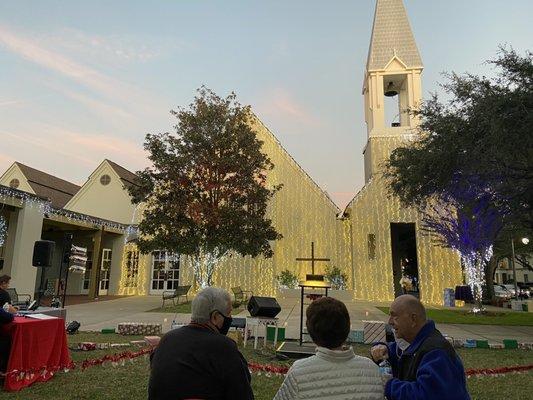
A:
(524, 240)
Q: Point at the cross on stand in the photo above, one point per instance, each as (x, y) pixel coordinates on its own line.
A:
(313, 282)
(313, 277)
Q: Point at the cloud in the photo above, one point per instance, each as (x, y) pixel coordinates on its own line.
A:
(5, 162)
(114, 89)
(70, 154)
(4, 103)
(112, 49)
(101, 108)
(280, 103)
(50, 144)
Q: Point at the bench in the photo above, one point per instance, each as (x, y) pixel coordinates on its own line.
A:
(241, 296)
(176, 293)
(16, 300)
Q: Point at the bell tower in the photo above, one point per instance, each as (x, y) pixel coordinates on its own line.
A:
(393, 70)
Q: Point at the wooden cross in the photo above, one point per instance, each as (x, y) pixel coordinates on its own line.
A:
(312, 259)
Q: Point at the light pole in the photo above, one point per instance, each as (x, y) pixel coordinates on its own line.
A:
(524, 240)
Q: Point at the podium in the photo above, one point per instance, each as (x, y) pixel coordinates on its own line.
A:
(305, 287)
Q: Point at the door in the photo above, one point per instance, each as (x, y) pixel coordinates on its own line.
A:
(104, 271)
(165, 271)
(87, 274)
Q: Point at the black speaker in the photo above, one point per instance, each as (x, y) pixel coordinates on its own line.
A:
(263, 307)
(43, 253)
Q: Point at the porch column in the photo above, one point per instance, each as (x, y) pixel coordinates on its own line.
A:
(115, 273)
(25, 227)
(94, 283)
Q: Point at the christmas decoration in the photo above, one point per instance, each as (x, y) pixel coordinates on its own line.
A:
(498, 371)
(138, 328)
(46, 208)
(3, 230)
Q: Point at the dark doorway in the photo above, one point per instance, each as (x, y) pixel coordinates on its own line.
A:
(404, 259)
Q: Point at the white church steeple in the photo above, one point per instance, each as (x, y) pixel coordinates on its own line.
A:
(393, 69)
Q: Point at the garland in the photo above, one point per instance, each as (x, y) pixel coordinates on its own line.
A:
(115, 358)
(498, 371)
(254, 367)
(269, 369)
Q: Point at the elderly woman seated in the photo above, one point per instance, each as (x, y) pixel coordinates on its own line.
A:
(335, 372)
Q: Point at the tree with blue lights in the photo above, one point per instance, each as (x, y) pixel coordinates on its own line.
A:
(470, 169)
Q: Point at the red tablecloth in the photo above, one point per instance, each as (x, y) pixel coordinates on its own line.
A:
(38, 350)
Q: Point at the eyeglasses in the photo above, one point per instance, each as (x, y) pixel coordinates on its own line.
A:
(221, 313)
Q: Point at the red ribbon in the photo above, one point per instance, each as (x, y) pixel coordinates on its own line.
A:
(498, 371)
(254, 367)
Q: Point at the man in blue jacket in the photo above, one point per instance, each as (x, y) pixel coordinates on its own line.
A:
(429, 367)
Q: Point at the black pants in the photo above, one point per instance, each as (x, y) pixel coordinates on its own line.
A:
(5, 347)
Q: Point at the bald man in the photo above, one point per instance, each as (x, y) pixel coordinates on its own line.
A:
(427, 367)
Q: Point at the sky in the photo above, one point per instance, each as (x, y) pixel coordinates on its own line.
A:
(81, 81)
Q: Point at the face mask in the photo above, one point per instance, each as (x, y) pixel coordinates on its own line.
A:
(225, 325)
(402, 344)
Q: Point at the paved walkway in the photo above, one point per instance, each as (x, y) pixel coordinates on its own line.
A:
(108, 314)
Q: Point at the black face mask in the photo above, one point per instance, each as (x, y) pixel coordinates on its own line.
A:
(225, 325)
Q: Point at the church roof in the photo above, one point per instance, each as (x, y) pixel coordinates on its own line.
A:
(392, 36)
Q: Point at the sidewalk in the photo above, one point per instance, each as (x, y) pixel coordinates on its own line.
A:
(108, 314)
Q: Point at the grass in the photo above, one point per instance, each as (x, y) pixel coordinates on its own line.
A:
(185, 308)
(465, 317)
(131, 380)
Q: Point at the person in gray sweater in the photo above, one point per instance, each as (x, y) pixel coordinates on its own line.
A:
(334, 372)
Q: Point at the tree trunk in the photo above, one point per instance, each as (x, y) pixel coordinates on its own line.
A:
(490, 269)
(204, 266)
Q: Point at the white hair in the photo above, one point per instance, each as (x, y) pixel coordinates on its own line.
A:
(208, 300)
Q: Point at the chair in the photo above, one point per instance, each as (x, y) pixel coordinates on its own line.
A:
(16, 300)
(176, 293)
(241, 296)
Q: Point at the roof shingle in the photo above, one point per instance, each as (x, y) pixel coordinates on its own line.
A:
(392, 36)
(58, 190)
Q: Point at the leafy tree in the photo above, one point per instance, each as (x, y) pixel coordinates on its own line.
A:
(206, 194)
(481, 139)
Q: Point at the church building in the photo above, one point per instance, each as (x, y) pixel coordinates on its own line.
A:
(375, 241)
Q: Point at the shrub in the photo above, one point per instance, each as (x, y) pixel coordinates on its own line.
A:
(336, 277)
(287, 280)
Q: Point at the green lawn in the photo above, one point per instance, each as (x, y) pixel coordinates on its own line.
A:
(464, 317)
(185, 308)
(129, 382)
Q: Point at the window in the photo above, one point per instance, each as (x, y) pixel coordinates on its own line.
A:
(105, 179)
(165, 270)
(14, 183)
(371, 246)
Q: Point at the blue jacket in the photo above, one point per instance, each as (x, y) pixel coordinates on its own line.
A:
(439, 376)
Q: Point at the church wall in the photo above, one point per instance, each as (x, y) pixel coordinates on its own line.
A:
(302, 213)
(371, 212)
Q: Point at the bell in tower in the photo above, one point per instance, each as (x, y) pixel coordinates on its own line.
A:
(392, 81)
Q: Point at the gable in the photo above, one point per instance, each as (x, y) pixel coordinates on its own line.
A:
(104, 197)
(301, 211)
(57, 190)
(14, 172)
